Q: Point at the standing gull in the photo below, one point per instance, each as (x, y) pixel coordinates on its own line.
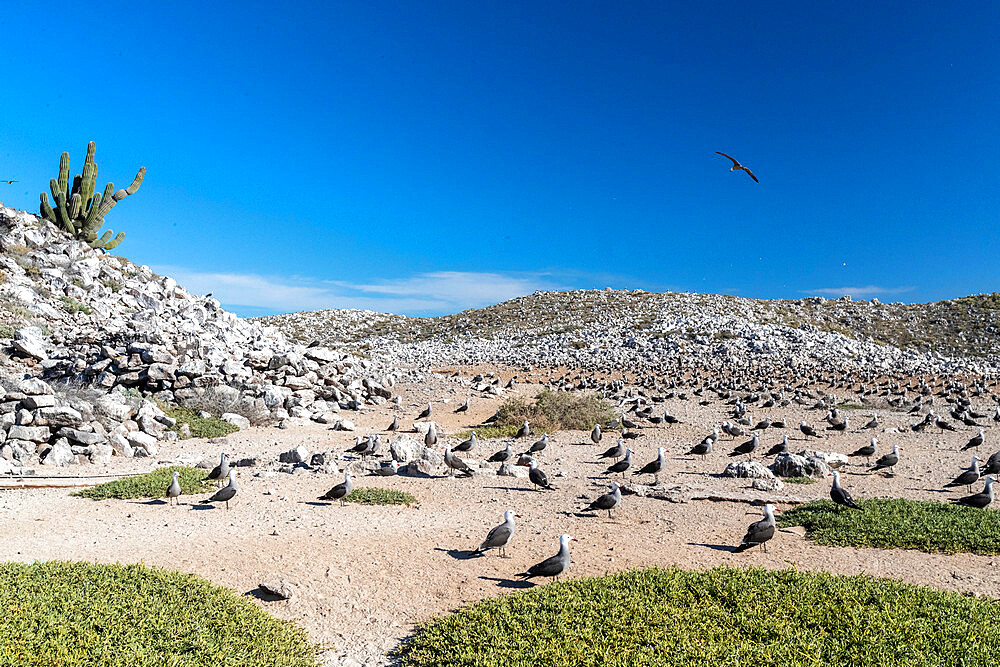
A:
(537, 477)
(982, 499)
(976, 441)
(759, 532)
(524, 431)
(426, 413)
(340, 491)
(888, 461)
(502, 456)
(615, 452)
(780, 448)
(868, 451)
(622, 465)
(608, 501)
(466, 445)
(596, 435)
(454, 463)
(654, 467)
(840, 495)
(499, 537)
(221, 471)
(967, 478)
(226, 493)
(174, 489)
(554, 566)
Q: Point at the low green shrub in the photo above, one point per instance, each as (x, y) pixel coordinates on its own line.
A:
(95, 615)
(150, 485)
(724, 616)
(895, 523)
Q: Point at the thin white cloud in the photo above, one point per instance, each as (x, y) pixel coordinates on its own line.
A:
(423, 293)
(869, 290)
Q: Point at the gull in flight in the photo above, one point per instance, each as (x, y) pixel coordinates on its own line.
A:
(9, 182)
(737, 165)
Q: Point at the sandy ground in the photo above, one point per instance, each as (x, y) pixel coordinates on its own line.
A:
(364, 576)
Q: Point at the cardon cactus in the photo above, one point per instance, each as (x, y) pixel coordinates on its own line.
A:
(80, 210)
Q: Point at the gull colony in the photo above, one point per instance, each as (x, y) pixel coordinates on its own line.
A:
(846, 406)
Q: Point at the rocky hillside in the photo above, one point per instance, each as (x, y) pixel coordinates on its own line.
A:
(108, 343)
(614, 329)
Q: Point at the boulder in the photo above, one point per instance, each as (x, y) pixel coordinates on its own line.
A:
(100, 454)
(773, 484)
(278, 588)
(239, 421)
(29, 433)
(833, 459)
(60, 454)
(405, 449)
(29, 343)
(298, 455)
(39, 401)
(418, 468)
(508, 470)
(796, 465)
(34, 387)
(747, 469)
(82, 437)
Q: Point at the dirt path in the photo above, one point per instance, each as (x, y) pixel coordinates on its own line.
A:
(365, 575)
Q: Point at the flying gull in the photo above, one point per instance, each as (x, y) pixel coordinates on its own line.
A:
(738, 167)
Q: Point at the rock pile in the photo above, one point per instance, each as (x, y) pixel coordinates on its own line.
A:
(72, 314)
(39, 426)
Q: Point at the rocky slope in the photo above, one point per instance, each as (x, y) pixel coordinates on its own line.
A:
(619, 330)
(107, 341)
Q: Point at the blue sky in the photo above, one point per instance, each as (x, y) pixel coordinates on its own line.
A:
(428, 157)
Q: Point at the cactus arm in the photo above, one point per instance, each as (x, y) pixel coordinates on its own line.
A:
(47, 211)
(141, 174)
(89, 176)
(60, 198)
(92, 212)
(74, 206)
(64, 175)
(108, 201)
(113, 243)
(100, 242)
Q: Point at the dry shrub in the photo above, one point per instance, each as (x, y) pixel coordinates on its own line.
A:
(557, 411)
(222, 399)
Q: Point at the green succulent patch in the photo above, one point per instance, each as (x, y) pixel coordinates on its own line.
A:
(150, 485)
(489, 432)
(92, 615)
(723, 616)
(201, 427)
(375, 496)
(895, 523)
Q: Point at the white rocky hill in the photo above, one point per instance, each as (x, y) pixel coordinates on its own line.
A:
(636, 330)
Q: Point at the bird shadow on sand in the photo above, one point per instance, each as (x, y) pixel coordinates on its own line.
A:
(509, 488)
(316, 503)
(203, 506)
(155, 501)
(951, 490)
(716, 547)
(263, 595)
(460, 554)
(509, 583)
